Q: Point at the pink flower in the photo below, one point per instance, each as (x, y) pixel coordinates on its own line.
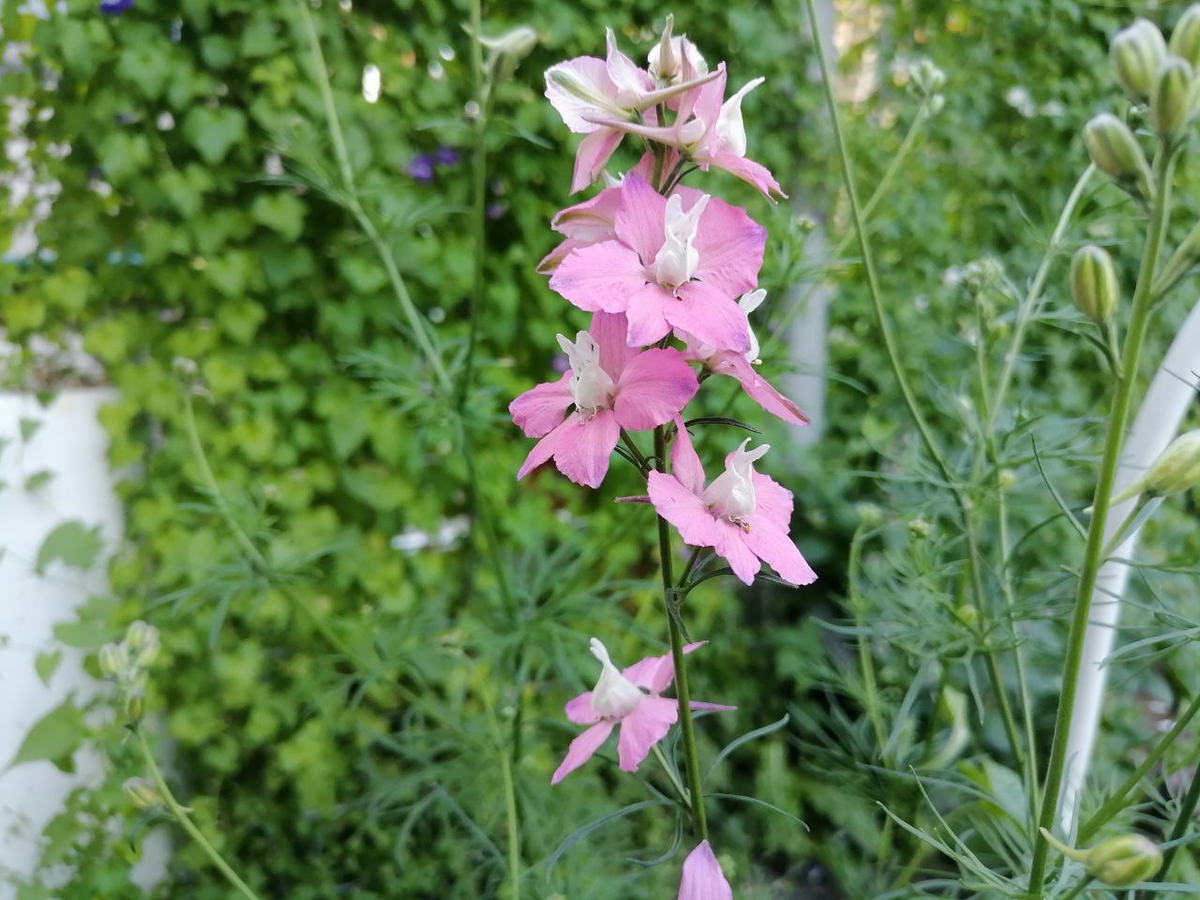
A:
(676, 262)
(741, 366)
(702, 876)
(743, 515)
(709, 130)
(587, 89)
(629, 699)
(611, 386)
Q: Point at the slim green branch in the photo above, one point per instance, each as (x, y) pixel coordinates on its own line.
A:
(1139, 322)
(866, 665)
(185, 822)
(479, 163)
(686, 726)
(1187, 812)
(672, 775)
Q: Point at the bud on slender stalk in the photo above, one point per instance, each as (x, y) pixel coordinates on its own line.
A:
(1137, 53)
(1185, 39)
(1177, 469)
(113, 659)
(1171, 100)
(1094, 283)
(1120, 862)
(516, 42)
(1116, 152)
(135, 707)
(142, 794)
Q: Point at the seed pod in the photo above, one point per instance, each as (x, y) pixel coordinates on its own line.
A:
(1116, 152)
(1125, 860)
(1185, 39)
(1171, 101)
(1094, 283)
(1137, 53)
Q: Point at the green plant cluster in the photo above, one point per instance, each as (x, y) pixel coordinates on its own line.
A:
(345, 715)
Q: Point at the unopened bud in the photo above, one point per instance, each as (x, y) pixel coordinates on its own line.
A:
(967, 614)
(666, 63)
(918, 528)
(1185, 39)
(1116, 152)
(113, 660)
(1177, 469)
(1120, 862)
(1137, 53)
(515, 43)
(1094, 283)
(142, 794)
(1171, 100)
(142, 641)
(135, 707)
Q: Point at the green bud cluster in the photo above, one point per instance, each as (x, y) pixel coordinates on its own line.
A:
(128, 663)
(1094, 283)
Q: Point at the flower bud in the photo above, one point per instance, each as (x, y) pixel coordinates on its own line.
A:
(1094, 283)
(1171, 100)
(135, 707)
(142, 794)
(1137, 54)
(515, 43)
(1177, 468)
(1185, 39)
(113, 660)
(1116, 152)
(1120, 862)
(666, 64)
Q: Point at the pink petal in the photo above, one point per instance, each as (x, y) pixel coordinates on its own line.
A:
(592, 220)
(580, 711)
(592, 155)
(540, 409)
(573, 109)
(647, 323)
(554, 258)
(775, 548)
(683, 509)
(654, 388)
(747, 170)
(655, 673)
(773, 502)
(704, 103)
(600, 277)
(740, 557)
(709, 315)
(760, 390)
(609, 330)
(648, 724)
(702, 876)
(623, 70)
(685, 464)
(730, 246)
(579, 447)
(582, 749)
(641, 220)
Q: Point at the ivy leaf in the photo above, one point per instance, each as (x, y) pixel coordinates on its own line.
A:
(46, 664)
(280, 212)
(73, 544)
(29, 428)
(54, 737)
(214, 131)
(38, 480)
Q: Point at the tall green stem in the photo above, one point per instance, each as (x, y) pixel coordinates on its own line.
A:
(483, 97)
(1187, 812)
(186, 823)
(1139, 322)
(687, 727)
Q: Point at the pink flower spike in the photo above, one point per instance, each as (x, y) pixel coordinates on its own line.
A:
(630, 699)
(611, 386)
(743, 515)
(702, 876)
(741, 367)
(676, 263)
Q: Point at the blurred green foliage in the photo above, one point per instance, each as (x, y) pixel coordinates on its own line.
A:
(368, 765)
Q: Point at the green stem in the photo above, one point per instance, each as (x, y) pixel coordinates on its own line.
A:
(686, 725)
(866, 664)
(1079, 888)
(1143, 304)
(672, 776)
(483, 97)
(689, 568)
(1116, 802)
(1186, 813)
(187, 824)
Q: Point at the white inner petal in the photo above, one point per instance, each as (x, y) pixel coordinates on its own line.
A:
(614, 695)
(677, 258)
(731, 495)
(591, 386)
(749, 302)
(731, 131)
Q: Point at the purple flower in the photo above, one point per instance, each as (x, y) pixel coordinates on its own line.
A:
(446, 156)
(496, 210)
(420, 168)
(115, 7)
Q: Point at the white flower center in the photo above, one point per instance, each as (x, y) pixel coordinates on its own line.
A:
(614, 695)
(591, 386)
(677, 258)
(731, 495)
(731, 131)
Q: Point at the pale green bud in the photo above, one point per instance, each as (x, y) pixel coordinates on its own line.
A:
(1177, 468)
(1120, 862)
(515, 43)
(1137, 53)
(1171, 100)
(918, 528)
(1116, 152)
(143, 643)
(1185, 39)
(113, 660)
(967, 614)
(142, 794)
(1094, 283)
(135, 707)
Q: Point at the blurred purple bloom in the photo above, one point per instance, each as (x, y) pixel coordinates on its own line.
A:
(559, 363)
(446, 156)
(497, 209)
(420, 168)
(115, 7)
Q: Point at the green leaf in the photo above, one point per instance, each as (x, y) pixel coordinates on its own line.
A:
(55, 737)
(744, 739)
(29, 428)
(281, 212)
(71, 543)
(213, 132)
(46, 664)
(38, 480)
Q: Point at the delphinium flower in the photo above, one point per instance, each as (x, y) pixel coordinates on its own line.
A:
(702, 877)
(611, 386)
(629, 699)
(743, 515)
(677, 262)
(115, 7)
(420, 168)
